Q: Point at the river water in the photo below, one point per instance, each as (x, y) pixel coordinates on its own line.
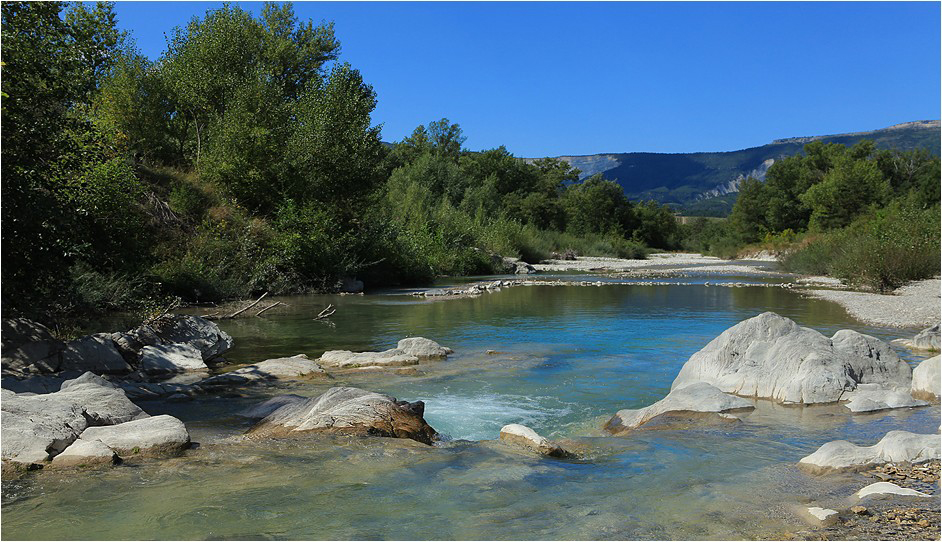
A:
(563, 359)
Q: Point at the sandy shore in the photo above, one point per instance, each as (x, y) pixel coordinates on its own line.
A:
(914, 305)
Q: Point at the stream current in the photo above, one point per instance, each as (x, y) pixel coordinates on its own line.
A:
(562, 360)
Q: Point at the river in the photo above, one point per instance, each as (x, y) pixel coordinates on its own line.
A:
(560, 359)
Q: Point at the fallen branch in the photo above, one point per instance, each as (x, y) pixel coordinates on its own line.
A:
(326, 313)
(215, 316)
(240, 311)
(272, 306)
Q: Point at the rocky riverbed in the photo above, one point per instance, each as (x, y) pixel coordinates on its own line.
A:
(888, 519)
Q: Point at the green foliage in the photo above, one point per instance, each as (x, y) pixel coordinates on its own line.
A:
(597, 206)
(881, 250)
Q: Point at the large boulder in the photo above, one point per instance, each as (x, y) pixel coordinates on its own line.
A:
(699, 397)
(345, 359)
(29, 347)
(423, 348)
(272, 369)
(171, 358)
(522, 436)
(926, 380)
(265, 408)
(194, 331)
(895, 447)
(37, 427)
(350, 411)
(95, 353)
(152, 436)
(772, 357)
(85, 452)
(130, 343)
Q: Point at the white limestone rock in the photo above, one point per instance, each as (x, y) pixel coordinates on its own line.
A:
(38, 427)
(95, 353)
(872, 397)
(195, 331)
(171, 358)
(351, 411)
(524, 437)
(423, 348)
(152, 436)
(772, 357)
(85, 452)
(345, 359)
(880, 489)
(298, 366)
(264, 409)
(698, 397)
(894, 447)
(927, 380)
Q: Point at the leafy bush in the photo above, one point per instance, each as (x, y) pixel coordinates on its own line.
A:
(881, 250)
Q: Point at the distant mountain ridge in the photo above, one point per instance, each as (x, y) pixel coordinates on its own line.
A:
(685, 178)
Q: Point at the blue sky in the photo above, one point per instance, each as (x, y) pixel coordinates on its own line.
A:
(547, 79)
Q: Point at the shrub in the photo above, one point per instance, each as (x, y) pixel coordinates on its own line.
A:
(881, 250)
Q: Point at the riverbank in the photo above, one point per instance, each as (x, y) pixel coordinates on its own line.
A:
(913, 305)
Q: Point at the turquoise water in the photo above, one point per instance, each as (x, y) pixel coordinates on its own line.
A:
(567, 358)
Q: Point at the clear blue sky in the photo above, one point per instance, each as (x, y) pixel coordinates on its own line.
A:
(547, 79)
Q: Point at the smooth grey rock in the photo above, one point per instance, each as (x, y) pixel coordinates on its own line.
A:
(85, 452)
(524, 437)
(263, 410)
(887, 488)
(194, 331)
(895, 447)
(171, 358)
(37, 427)
(299, 366)
(771, 357)
(29, 347)
(872, 397)
(345, 359)
(697, 397)
(15, 332)
(33, 384)
(352, 411)
(927, 339)
(95, 353)
(927, 379)
(423, 348)
(103, 402)
(130, 343)
(156, 435)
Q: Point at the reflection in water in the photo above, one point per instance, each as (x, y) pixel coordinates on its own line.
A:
(567, 358)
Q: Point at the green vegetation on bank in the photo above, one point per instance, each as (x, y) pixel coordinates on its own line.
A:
(869, 217)
(244, 160)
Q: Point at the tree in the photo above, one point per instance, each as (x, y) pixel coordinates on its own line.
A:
(846, 191)
(63, 186)
(597, 206)
(747, 220)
